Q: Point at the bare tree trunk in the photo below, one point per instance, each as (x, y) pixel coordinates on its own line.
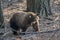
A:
(31, 5)
(1, 15)
(42, 7)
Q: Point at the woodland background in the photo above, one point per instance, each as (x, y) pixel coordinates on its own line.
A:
(49, 28)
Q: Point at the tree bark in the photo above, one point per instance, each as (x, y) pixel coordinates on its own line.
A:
(41, 7)
(1, 15)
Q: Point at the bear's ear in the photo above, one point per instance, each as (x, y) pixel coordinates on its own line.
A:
(38, 15)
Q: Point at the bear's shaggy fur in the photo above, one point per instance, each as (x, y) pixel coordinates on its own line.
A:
(21, 21)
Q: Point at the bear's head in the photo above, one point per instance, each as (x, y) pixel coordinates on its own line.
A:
(33, 19)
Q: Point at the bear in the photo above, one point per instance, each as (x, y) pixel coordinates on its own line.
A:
(22, 20)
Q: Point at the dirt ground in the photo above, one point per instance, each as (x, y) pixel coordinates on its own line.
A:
(49, 30)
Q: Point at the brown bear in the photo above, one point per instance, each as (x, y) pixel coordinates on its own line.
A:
(21, 21)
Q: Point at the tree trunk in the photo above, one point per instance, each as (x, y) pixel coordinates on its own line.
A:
(1, 15)
(42, 7)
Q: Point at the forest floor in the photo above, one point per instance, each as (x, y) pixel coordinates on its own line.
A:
(49, 29)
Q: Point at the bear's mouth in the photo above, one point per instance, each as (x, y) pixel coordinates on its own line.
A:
(33, 22)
